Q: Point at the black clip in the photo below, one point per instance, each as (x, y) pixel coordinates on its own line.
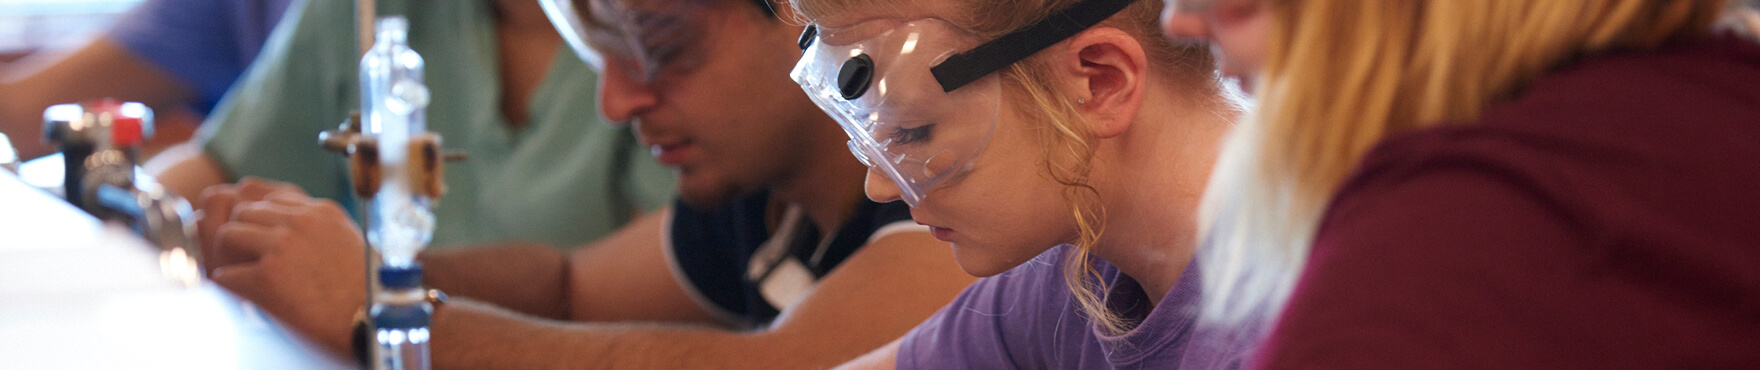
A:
(807, 36)
(855, 76)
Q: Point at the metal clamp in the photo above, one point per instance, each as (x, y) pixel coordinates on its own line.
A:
(100, 142)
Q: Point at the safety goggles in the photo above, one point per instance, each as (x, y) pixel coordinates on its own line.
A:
(567, 19)
(919, 98)
(1189, 6)
(641, 41)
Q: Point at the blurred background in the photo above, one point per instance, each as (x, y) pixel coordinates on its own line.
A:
(27, 26)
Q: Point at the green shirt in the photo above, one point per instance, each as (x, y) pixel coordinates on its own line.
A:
(564, 179)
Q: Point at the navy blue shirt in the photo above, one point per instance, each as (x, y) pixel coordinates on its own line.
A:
(722, 251)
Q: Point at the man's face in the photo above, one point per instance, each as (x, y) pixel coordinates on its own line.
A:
(705, 84)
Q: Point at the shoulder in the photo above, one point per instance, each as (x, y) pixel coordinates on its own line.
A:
(1585, 152)
(1608, 130)
(322, 17)
(302, 83)
(1438, 248)
(1479, 230)
(162, 18)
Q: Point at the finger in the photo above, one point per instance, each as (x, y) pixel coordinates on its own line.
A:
(240, 242)
(215, 209)
(292, 198)
(219, 197)
(314, 211)
(217, 189)
(246, 280)
(266, 213)
(253, 188)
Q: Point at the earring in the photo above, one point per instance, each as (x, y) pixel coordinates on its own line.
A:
(1082, 101)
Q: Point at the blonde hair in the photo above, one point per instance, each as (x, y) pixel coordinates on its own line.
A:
(1402, 65)
(1069, 143)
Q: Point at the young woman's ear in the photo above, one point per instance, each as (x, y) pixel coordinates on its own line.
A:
(1109, 67)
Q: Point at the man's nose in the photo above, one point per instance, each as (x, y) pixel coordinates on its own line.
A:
(621, 97)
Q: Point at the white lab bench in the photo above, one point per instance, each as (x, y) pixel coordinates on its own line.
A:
(76, 293)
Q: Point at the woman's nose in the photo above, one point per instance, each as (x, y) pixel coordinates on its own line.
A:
(1183, 25)
(881, 189)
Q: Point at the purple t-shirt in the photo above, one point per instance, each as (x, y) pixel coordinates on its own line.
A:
(1026, 318)
(205, 43)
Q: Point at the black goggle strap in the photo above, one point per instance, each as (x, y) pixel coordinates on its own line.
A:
(963, 68)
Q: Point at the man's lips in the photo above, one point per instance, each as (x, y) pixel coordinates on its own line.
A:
(672, 153)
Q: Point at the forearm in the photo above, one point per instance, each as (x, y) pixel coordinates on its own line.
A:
(22, 122)
(102, 68)
(881, 359)
(189, 172)
(529, 278)
(876, 296)
(470, 335)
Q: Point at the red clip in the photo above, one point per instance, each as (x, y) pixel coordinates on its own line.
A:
(128, 121)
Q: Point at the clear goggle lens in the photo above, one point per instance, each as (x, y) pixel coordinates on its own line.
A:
(874, 78)
(642, 41)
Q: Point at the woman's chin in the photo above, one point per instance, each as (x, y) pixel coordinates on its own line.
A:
(980, 264)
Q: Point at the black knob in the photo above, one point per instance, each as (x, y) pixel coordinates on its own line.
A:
(855, 76)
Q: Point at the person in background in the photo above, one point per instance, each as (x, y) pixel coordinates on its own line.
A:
(177, 56)
(1744, 18)
(542, 168)
(1486, 184)
(1080, 208)
(770, 259)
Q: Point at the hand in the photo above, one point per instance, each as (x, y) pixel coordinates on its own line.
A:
(216, 204)
(300, 259)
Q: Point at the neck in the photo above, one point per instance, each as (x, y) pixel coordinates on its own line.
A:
(1150, 179)
(826, 183)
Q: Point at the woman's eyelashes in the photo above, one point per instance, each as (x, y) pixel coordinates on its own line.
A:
(902, 135)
